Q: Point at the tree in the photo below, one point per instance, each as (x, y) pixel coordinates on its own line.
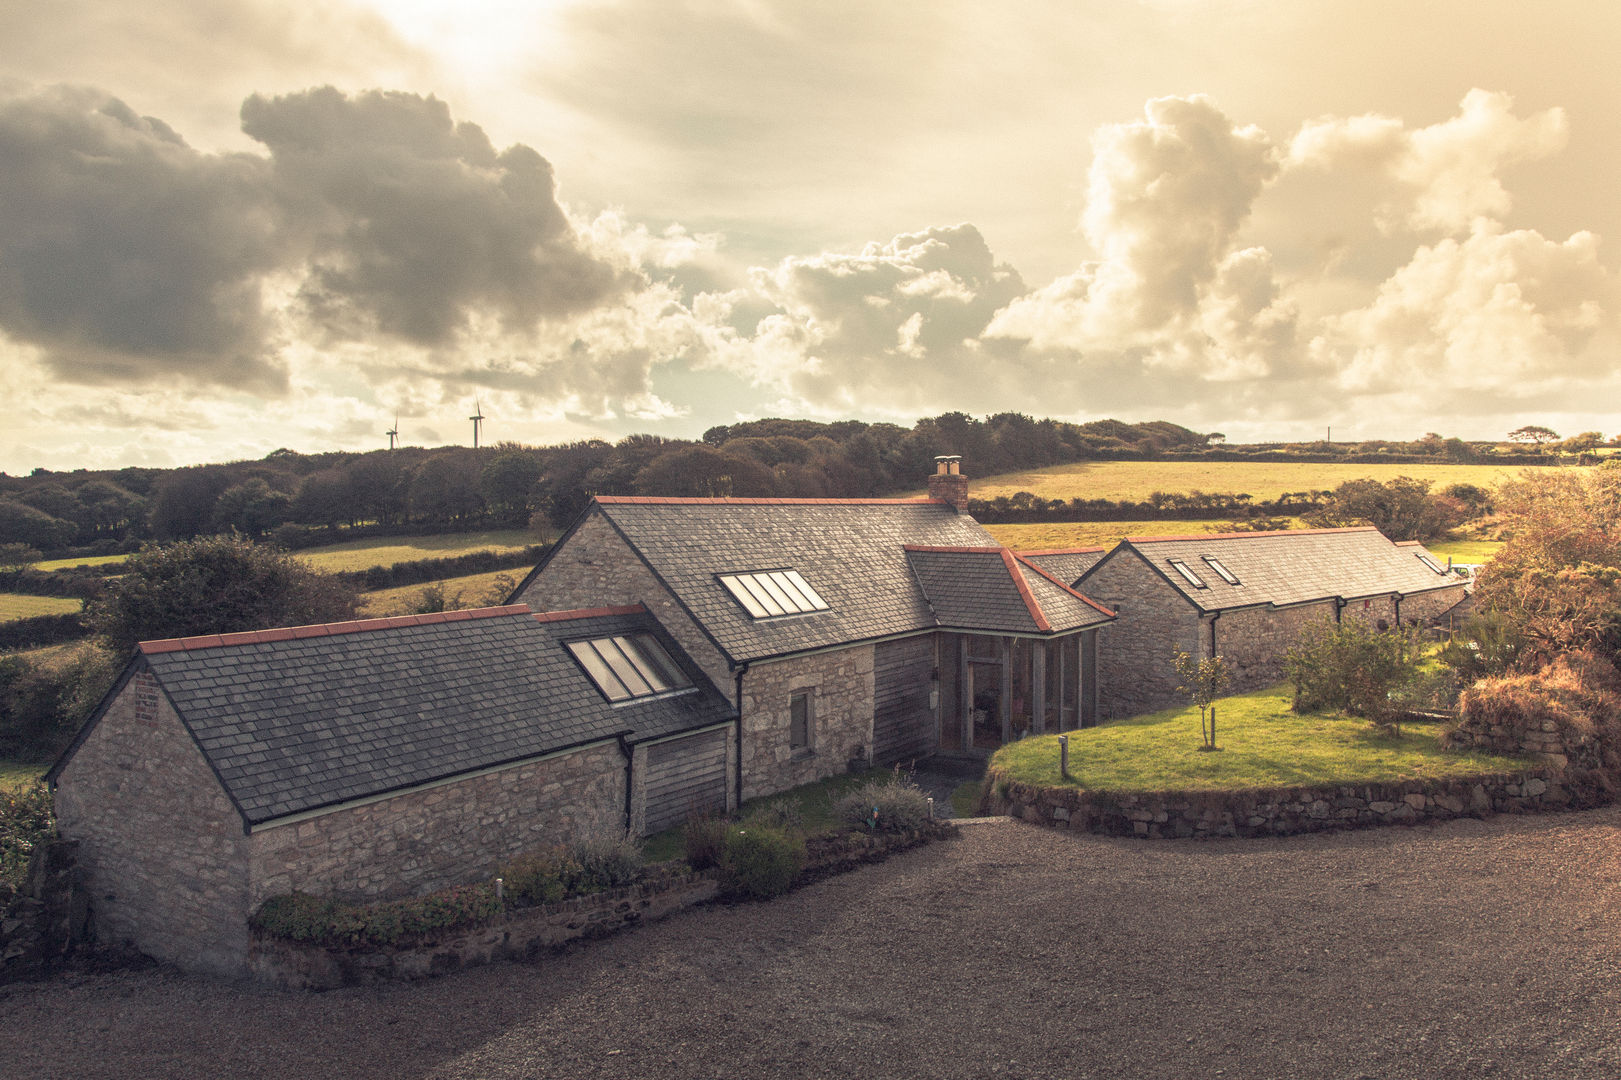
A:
(705, 472)
(22, 524)
(215, 585)
(252, 507)
(1353, 668)
(1402, 509)
(15, 558)
(508, 483)
(1203, 681)
(1533, 434)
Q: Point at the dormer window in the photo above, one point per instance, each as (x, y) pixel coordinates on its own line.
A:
(1187, 573)
(1429, 561)
(629, 666)
(1221, 571)
(766, 594)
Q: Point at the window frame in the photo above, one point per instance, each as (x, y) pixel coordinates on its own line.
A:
(773, 594)
(1181, 567)
(1221, 570)
(629, 667)
(802, 731)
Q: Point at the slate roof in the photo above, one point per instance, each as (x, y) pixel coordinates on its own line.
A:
(851, 551)
(1065, 564)
(992, 589)
(1290, 567)
(293, 720)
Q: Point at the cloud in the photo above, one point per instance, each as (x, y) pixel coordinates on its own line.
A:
(124, 253)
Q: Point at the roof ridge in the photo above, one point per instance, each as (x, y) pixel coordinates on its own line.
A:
(672, 500)
(1012, 561)
(952, 549)
(353, 626)
(1059, 551)
(1248, 535)
(1067, 588)
(588, 613)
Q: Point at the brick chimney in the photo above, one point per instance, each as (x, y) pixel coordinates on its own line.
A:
(948, 483)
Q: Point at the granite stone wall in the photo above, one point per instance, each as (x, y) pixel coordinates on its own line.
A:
(161, 848)
(1253, 641)
(1135, 652)
(841, 688)
(429, 839)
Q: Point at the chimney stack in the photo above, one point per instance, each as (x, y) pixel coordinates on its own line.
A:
(948, 484)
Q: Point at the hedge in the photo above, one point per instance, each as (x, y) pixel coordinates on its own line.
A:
(37, 630)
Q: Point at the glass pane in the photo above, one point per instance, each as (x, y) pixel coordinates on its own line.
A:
(800, 601)
(744, 597)
(594, 666)
(653, 677)
(805, 587)
(788, 604)
(622, 667)
(1226, 575)
(761, 597)
(1192, 578)
(651, 653)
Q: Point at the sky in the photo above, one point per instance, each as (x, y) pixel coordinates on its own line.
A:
(231, 226)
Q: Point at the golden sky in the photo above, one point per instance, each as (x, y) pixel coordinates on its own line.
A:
(225, 228)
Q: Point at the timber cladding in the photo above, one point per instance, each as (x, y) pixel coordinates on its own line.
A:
(902, 721)
(685, 776)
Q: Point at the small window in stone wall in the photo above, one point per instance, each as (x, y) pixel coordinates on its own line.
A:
(799, 720)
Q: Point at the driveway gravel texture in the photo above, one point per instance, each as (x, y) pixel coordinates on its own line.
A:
(1470, 949)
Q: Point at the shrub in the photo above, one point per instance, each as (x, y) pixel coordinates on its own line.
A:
(890, 805)
(1489, 643)
(759, 863)
(607, 860)
(1350, 667)
(25, 820)
(539, 877)
(302, 917)
(44, 701)
(784, 814)
(1578, 694)
(704, 838)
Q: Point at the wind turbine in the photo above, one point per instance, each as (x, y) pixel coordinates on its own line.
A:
(393, 431)
(477, 418)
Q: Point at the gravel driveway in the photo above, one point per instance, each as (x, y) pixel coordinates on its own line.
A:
(1472, 949)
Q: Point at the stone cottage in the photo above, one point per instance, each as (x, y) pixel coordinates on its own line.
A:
(845, 630)
(374, 759)
(1246, 597)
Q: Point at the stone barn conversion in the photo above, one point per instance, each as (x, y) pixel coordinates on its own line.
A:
(374, 759)
(1246, 597)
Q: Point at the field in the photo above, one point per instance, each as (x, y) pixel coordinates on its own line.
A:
(1073, 534)
(16, 775)
(1136, 480)
(1466, 551)
(471, 589)
(364, 554)
(21, 606)
(79, 560)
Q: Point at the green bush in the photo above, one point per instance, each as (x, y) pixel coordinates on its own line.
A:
(1351, 667)
(43, 702)
(889, 805)
(759, 863)
(25, 820)
(784, 814)
(301, 917)
(704, 838)
(539, 877)
(608, 860)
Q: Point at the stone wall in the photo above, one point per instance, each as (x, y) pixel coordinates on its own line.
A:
(1427, 607)
(1279, 812)
(1253, 641)
(1135, 652)
(425, 840)
(162, 849)
(841, 688)
(593, 567)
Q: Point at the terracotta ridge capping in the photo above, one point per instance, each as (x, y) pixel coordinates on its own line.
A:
(950, 550)
(672, 500)
(1067, 588)
(588, 613)
(357, 626)
(1060, 551)
(1249, 535)
(1029, 598)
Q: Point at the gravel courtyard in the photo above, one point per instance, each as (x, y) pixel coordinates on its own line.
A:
(1474, 949)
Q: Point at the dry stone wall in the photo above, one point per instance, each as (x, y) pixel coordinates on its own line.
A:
(841, 687)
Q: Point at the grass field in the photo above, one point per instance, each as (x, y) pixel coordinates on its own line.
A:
(1263, 744)
(399, 601)
(364, 554)
(1466, 551)
(19, 774)
(82, 560)
(21, 606)
(1096, 533)
(1136, 480)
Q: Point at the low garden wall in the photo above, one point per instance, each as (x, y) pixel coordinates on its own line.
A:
(1281, 811)
(526, 933)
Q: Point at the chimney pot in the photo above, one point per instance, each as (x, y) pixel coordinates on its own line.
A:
(948, 484)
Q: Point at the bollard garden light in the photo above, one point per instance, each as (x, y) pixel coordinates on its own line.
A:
(1063, 756)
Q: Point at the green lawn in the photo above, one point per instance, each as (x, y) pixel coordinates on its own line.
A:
(15, 775)
(1136, 480)
(399, 601)
(364, 554)
(22, 606)
(1073, 534)
(81, 560)
(1466, 551)
(1263, 745)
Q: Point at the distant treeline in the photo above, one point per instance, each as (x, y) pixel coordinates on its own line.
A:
(1024, 507)
(304, 499)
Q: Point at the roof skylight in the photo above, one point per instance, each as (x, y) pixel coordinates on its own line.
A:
(630, 666)
(766, 594)
(1221, 571)
(1429, 561)
(1187, 572)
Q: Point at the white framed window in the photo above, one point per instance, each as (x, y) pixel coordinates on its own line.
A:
(767, 594)
(1221, 571)
(629, 666)
(1429, 561)
(1187, 573)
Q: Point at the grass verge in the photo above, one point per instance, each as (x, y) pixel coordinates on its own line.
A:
(22, 606)
(1263, 745)
(365, 554)
(16, 775)
(402, 600)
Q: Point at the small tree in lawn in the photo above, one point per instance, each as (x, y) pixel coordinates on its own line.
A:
(1203, 681)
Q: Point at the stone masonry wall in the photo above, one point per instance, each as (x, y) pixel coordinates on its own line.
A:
(1253, 641)
(1427, 606)
(425, 840)
(161, 847)
(595, 568)
(841, 683)
(1134, 653)
(1283, 811)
